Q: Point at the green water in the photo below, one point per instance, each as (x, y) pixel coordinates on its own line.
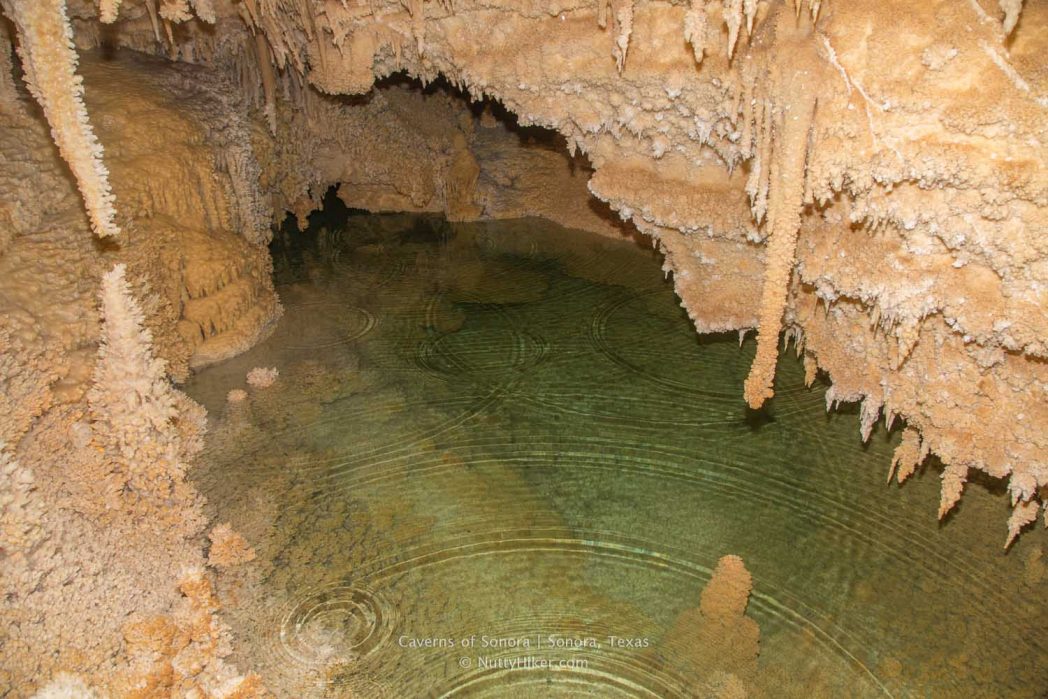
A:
(511, 431)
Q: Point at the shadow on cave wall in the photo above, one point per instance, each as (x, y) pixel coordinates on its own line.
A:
(492, 113)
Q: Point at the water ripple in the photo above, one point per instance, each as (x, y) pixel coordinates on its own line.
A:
(322, 325)
(338, 624)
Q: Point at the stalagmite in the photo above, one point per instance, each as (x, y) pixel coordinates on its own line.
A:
(135, 410)
(717, 643)
(228, 547)
(49, 60)
(784, 220)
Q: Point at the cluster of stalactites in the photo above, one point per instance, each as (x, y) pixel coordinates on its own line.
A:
(735, 14)
(778, 111)
(289, 26)
(45, 45)
(776, 120)
(1023, 488)
(279, 36)
(170, 11)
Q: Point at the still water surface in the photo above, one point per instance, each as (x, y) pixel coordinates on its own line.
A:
(498, 462)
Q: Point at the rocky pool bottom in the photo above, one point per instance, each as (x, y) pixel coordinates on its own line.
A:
(498, 462)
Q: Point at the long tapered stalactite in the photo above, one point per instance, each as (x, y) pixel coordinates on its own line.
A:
(45, 45)
(785, 201)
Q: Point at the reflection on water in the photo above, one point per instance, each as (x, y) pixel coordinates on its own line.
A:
(494, 447)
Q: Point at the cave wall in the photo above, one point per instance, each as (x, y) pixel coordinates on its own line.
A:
(465, 161)
(103, 567)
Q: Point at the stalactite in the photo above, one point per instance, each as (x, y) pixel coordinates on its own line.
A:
(954, 476)
(811, 369)
(265, 67)
(107, 10)
(1023, 513)
(153, 18)
(1012, 9)
(175, 11)
(733, 19)
(305, 13)
(794, 334)
(49, 60)
(760, 202)
(8, 89)
(695, 25)
(813, 8)
(1021, 487)
(749, 8)
(784, 220)
(205, 10)
(868, 414)
(170, 35)
(757, 182)
(418, 25)
(602, 13)
(750, 107)
(908, 455)
(624, 24)
(252, 10)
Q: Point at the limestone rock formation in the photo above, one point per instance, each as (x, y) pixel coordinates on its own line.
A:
(98, 519)
(136, 415)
